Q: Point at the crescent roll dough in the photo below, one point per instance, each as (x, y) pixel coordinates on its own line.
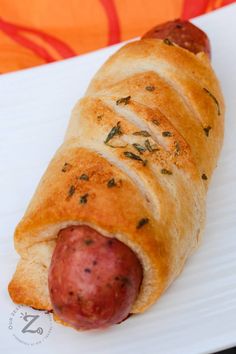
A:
(150, 124)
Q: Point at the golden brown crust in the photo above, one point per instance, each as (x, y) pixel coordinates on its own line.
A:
(173, 98)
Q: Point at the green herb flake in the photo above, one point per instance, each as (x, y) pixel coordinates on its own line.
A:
(111, 183)
(148, 145)
(166, 134)
(155, 121)
(132, 156)
(164, 171)
(124, 100)
(67, 167)
(141, 223)
(214, 99)
(167, 41)
(139, 148)
(207, 130)
(84, 199)
(116, 130)
(177, 148)
(142, 133)
(150, 88)
(88, 241)
(117, 146)
(71, 191)
(204, 177)
(84, 177)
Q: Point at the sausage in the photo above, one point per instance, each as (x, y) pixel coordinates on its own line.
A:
(93, 280)
(184, 34)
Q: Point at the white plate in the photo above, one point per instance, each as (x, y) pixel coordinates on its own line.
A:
(198, 312)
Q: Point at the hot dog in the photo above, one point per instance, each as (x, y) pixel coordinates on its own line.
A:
(183, 33)
(94, 280)
(138, 154)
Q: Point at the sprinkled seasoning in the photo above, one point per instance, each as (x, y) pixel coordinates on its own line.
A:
(177, 148)
(71, 191)
(88, 241)
(110, 243)
(124, 100)
(117, 146)
(132, 156)
(84, 199)
(148, 145)
(139, 148)
(204, 177)
(155, 121)
(166, 134)
(66, 167)
(150, 88)
(84, 177)
(116, 130)
(167, 41)
(111, 183)
(142, 222)
(207, 130)
(142, 133)
(87, 270)
(99, 117)
(123, 279)
(164, 171)
(214, 99)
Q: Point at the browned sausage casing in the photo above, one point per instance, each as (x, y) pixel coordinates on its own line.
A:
(93, 280)
(183, 33)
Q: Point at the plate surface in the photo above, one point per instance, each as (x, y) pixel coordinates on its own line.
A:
(198, 312)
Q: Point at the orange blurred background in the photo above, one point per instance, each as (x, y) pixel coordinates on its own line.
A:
(34, 32)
